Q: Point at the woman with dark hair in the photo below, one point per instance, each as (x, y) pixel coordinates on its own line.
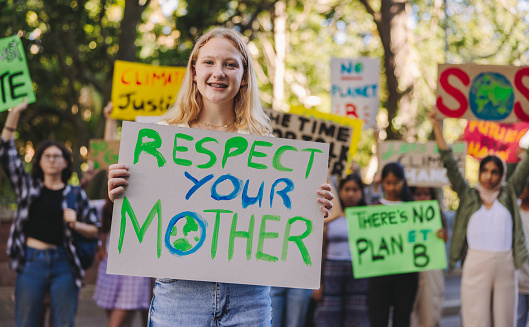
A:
(342, 299)
(488, 235)
(41, 241)
(428, 307)
(392, 291)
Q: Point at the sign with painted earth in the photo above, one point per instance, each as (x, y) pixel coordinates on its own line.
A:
(479, 92)
(214, 206)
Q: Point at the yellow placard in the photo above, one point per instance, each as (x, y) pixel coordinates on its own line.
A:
(144, 90)
(356, 124)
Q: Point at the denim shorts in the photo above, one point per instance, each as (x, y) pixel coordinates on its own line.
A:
(188, 303)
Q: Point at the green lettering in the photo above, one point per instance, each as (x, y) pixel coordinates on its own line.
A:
(297, 239)
(238, 143)
(149, 147)
(260, 255)
(126, 209)
(179, 161)
(248, 235)
(215, 240)
(311, 159)
(276, 161)
(200, 149)
(258, 154)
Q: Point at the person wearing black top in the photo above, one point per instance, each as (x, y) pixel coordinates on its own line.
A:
(41, 242)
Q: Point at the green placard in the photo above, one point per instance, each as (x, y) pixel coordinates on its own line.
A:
(14, 74)
(395, 239)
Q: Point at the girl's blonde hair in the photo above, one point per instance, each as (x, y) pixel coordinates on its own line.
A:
(248, 110)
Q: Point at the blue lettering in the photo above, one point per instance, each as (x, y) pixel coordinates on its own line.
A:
(289, 186)
(236, 188)
(248, 200)
(197, 183)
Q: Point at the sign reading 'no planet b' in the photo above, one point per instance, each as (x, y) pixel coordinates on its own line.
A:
(215, 206)
(395, 239)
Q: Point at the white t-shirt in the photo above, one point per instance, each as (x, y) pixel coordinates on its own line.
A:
(490, 229)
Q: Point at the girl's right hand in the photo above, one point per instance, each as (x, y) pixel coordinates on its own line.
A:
(117, 180)
(434, 118)
(21, 107)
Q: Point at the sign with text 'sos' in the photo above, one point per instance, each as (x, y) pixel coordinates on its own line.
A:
(341, 133)
(421, 161)
(355, 85)
(141, 89)
(483, 92)
(215, 206)
(14, 74)
(395, 239)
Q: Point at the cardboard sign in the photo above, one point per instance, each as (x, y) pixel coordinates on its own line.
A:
(312, 125)
(14, 74)
(480, 92)
(421, 161)
(216, 206)
(395, 239)
(141, 89)
(489, 138)
(104, 153)
(355, 85)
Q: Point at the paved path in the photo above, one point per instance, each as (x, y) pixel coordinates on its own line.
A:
(90, 315)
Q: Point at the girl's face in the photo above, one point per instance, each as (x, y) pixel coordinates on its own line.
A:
(422, 194)
(489, 175)
(392, 186)
(52, 161)
(218, 72)
(350, 194)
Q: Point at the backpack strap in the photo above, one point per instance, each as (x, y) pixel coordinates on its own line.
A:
(71, 202)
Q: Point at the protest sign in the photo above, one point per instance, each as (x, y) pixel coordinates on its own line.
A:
(104, 153)
(489, 138)
(341, 133)
(14, 74)
(482, 92)
(141, 89)
(215, 206)
(421, 161)
(355, 85)
(395, 239)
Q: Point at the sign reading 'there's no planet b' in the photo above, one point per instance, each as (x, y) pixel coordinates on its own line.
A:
(395, 239)
(215, 206)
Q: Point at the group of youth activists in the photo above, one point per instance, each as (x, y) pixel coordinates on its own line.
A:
(219, 92)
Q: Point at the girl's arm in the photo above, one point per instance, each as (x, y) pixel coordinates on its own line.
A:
(111, 125)
(459, 184)
(518, 178)
(9, 158)
(12, 120)
(87, 222)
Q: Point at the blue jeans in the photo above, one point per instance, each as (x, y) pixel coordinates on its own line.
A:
(289, 306)
(523, 309)
(46, 271)
(177, 302)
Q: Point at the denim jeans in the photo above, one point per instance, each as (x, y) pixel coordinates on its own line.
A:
(177, 302)
(289, 306)
(46, 271)
(523, 309)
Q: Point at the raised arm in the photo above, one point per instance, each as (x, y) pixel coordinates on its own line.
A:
(11, 124)
(459, 184)
(111, 125)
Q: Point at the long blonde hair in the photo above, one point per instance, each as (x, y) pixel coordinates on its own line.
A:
(248, 110)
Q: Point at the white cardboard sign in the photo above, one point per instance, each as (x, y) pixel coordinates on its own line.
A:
(214, 206)
(355, 85)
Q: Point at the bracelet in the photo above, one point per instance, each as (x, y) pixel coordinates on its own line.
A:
(11, 129)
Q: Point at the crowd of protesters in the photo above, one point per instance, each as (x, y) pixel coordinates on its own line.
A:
(488, 232)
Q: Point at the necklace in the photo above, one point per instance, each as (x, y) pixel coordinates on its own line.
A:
(214, 126)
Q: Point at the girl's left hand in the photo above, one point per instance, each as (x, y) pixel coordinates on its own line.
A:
(442, 234)
(325, 199)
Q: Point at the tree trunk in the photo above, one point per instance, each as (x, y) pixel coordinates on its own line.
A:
(280, 41)
(400, 69)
